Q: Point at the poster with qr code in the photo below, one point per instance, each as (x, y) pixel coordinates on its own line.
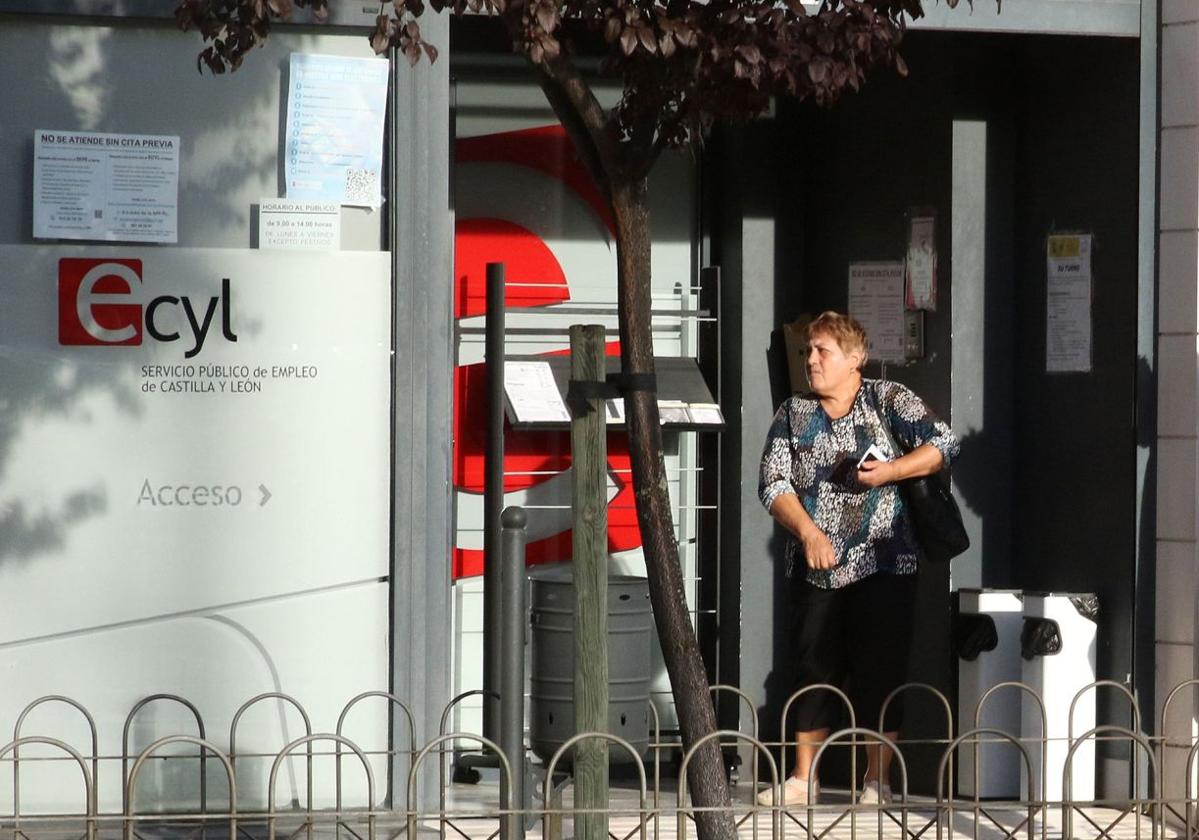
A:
(334, 135)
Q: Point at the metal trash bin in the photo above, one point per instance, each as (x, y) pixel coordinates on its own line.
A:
(986, 638)
(1057, 644)
(551, 696)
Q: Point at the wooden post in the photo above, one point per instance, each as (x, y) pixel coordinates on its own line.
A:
(589, 485)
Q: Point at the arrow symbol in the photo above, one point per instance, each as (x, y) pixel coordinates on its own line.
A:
(266, 495)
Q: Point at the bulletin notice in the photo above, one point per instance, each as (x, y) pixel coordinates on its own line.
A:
(107, 187)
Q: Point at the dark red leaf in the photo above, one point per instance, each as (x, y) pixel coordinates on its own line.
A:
(646, 36)
(628, 40)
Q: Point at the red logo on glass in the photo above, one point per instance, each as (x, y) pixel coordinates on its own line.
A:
(97, 302)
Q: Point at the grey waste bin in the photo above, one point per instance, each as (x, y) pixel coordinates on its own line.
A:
(986, 636)
(551, 697)
(1057, 644)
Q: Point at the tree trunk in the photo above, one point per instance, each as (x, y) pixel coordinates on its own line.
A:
(706, 778)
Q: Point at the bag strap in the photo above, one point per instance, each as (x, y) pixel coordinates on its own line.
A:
(882, 417)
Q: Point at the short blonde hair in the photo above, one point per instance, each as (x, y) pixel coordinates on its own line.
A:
(847, 332)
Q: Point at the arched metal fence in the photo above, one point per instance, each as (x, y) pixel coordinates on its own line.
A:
(1153, 807)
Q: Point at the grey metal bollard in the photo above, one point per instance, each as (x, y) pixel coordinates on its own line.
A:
(512, 682)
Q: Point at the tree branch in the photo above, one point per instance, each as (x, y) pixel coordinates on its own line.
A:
(581, 114)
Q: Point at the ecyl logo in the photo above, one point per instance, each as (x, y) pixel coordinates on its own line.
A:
(100, 304)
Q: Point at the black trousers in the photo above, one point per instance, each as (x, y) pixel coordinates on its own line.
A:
(858, 638)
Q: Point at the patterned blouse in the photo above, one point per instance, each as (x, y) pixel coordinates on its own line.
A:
(816, 458)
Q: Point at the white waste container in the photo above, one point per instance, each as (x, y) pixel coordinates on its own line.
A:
(987, 640)
(1058, 649)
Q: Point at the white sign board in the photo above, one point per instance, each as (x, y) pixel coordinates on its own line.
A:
(291, 225)
(876, 302)
(107, 187)
(194, 491)
(1068, 304)
(195, 426)
(334, 143)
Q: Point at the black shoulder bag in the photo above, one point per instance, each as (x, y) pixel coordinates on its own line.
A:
(934, 514)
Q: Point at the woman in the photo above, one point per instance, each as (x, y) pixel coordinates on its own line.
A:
(851, 555)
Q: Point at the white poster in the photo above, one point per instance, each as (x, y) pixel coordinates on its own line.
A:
(334, 143)
(876, 302)
(106, 187)
(1068, 304)
(290, 225)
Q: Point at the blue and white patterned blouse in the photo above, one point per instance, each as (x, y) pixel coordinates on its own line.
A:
(816, 458)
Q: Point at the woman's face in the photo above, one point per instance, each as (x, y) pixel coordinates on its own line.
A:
(829, 367)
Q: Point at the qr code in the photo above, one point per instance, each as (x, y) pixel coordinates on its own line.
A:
(362, 187)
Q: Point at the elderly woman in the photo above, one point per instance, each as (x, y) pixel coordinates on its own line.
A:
(830, 478)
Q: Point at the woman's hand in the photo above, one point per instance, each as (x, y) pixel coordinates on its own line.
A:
(817, 549)
(924, 460)
(877, 473)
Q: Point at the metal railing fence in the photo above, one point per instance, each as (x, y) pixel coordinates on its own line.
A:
(465, 812)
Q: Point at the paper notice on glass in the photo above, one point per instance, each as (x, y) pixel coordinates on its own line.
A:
(1068, 293)
(532, 394)
(705, 414)
(673, 412)
(292, 225)
(110, 187)
(876, 302)
(921, 290)
(334, 143)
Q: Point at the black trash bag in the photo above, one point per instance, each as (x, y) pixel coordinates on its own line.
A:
(1040, 637)
(974, 633)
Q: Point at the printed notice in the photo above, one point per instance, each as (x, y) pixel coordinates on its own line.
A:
(110, 187)
(299, 225)
(532, 394)
(1068, 293)
(876, 302)
(334, 143)
(922, 264)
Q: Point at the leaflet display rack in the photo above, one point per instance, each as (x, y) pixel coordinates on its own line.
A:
(528, 393)
(535, 394)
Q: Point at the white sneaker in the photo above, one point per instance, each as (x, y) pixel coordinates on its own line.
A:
(874, 793)
(794, 791)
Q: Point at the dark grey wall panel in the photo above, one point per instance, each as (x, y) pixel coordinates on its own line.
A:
(423, 269)
(1075, 489)
(1062, 154)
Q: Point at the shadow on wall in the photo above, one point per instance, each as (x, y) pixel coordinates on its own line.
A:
(41, 391)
